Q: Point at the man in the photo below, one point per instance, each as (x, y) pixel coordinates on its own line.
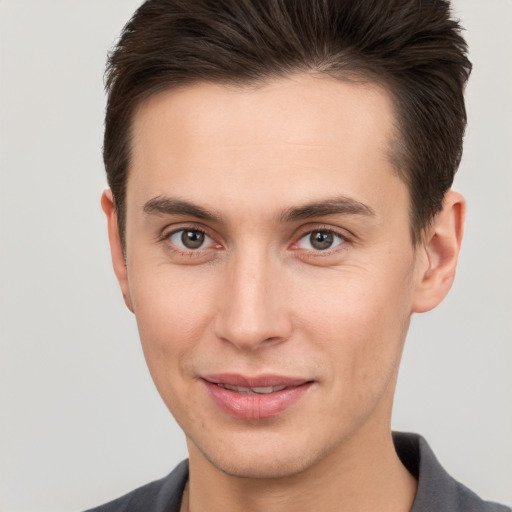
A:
(279, 206)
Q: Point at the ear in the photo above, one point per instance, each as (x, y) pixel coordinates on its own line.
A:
(438, 254)
(116, 248)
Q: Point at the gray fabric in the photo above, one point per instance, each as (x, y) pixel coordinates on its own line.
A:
(159, 496)
(437, 490)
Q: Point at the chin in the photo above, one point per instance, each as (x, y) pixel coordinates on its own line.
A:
(260, 467)
(264, 458)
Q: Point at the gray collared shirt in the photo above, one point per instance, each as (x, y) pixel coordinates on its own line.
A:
(437, 490)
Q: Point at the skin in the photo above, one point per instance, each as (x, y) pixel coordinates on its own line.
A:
(258, 298)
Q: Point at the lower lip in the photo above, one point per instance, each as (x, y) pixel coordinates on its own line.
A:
(255, 406)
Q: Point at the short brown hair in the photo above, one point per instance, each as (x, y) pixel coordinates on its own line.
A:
(412, 47)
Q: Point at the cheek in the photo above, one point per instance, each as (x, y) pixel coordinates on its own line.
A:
(172, 315)
(359, 322)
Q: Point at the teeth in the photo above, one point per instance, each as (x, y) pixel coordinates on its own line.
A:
(232, 388)
(263, 391)
(253, 391)
(270, 389)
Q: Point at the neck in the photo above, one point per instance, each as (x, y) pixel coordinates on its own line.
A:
(364, 475)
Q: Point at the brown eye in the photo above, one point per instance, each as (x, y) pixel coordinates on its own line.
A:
(189, 238)
(320, 240)
(192, 239)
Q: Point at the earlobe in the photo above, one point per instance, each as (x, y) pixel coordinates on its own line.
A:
(116, 247)
(438, 255)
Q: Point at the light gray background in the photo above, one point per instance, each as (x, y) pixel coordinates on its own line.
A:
(80, 420)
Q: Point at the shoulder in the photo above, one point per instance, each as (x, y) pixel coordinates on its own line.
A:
(158, 496)
(437, 490)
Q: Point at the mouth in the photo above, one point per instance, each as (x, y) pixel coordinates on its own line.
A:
(253, 391)
(255, 397)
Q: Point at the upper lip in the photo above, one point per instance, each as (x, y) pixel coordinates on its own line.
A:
(258, 381)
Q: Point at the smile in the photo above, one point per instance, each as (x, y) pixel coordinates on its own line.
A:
(255, 398)
(253, 391)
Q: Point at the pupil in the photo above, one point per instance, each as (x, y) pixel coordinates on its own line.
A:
(192, 239)
(321, 240)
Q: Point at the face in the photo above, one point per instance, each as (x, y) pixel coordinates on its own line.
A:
(270, 267)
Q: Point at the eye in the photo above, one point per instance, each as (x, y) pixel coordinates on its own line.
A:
(190, 239)
(320, 240)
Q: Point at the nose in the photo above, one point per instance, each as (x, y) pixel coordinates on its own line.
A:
(252, 309)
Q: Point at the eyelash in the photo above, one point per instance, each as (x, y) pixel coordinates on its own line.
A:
(165, 238)
(326, 252)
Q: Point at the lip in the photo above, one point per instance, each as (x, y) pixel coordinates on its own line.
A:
(255, 406)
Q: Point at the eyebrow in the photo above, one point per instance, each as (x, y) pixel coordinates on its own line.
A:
(169, 206)
(340, 205)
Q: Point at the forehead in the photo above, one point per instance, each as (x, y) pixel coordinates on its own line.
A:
(311, 134)
(303, 110)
